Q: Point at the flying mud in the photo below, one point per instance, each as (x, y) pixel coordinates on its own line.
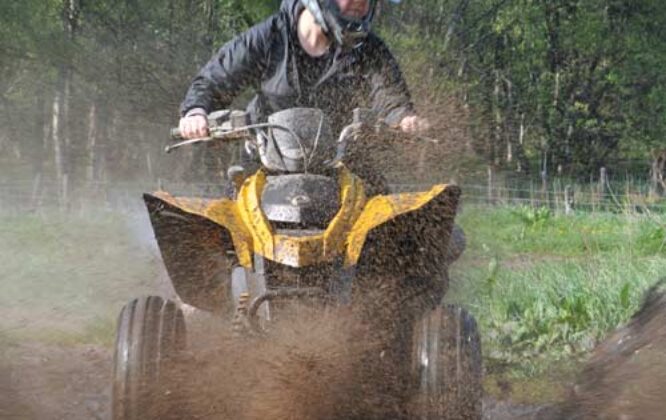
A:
(626, 374)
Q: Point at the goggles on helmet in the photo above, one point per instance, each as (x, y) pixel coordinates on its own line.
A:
(347, 31)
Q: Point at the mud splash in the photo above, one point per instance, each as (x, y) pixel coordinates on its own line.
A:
(310, 370)
(311, 367)
(626, 374)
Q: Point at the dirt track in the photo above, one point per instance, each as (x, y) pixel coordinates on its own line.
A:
(624, 379)
(39, 381)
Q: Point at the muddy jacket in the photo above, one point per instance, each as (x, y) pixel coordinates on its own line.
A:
(269, 59)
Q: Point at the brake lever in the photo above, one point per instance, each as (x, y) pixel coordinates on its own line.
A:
(170, 148)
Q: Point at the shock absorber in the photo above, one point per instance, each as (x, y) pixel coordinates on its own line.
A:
(240, 323)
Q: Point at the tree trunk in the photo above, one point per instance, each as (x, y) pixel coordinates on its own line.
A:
(497, 112)
(91, 173)
(456, 17)
(520, 165)
(509, 123)
(37, 145)
(658, 173)
(56, 134)
(60, 110)
(554, 55)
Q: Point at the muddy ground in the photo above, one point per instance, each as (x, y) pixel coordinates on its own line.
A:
(73, 381)
(624, 378)
(39, 381)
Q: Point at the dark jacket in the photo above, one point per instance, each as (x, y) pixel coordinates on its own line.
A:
(269, 59)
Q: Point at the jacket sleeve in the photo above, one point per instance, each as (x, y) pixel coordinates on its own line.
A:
(389, 95)
(240, 63)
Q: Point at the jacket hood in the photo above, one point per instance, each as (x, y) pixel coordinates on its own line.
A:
(291, 9)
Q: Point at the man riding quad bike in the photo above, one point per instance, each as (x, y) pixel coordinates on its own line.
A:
(311, 54)
(304, 227)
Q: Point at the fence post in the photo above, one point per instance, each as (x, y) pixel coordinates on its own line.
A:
(603, 183)
(544, 188)
(557, 184)
(568, 200)
(532, 194)
(603, 180)
(64, 196)
(35, 190)
(491, 178)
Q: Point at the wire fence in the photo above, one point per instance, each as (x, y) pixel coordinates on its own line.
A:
(39, 194)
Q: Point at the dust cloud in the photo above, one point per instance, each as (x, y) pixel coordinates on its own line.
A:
(312, 365)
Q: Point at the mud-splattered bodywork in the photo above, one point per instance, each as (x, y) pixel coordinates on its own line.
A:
(387, 235)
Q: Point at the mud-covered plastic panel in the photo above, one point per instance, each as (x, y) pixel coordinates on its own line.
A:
(307, 199)
(198, 254)
(413, 245)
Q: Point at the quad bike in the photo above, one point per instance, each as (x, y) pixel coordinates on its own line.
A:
(302, 229)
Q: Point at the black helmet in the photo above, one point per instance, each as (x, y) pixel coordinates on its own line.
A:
(347, 31)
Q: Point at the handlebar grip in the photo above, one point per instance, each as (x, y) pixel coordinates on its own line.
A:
(175, 134)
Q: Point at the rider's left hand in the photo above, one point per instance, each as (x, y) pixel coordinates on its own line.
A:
(414, 125)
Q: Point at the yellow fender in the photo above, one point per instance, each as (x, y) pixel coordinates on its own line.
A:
(381, 209)
(345, 235)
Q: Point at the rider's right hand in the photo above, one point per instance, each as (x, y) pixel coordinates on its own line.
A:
(193, 126)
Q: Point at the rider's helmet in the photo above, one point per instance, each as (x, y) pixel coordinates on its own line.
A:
(348, 32)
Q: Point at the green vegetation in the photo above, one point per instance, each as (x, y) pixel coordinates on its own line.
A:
(64, 279)
(565, 86)
(546, 288)
(575, 84)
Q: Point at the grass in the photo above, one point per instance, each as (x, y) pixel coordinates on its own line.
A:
(511, 231)
(546, 288)
(64, 279)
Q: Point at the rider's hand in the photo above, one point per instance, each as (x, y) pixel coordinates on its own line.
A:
(414, 125)
(193, 126)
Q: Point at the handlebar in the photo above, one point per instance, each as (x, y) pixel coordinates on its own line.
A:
(223, 133)
(214, 134)
(174, 134)
(231, 130)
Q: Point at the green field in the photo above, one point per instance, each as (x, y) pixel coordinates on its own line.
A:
(546, 288)
(65, 279)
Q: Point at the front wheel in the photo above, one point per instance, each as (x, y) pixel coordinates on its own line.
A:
(446, 360)
(150, 334)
